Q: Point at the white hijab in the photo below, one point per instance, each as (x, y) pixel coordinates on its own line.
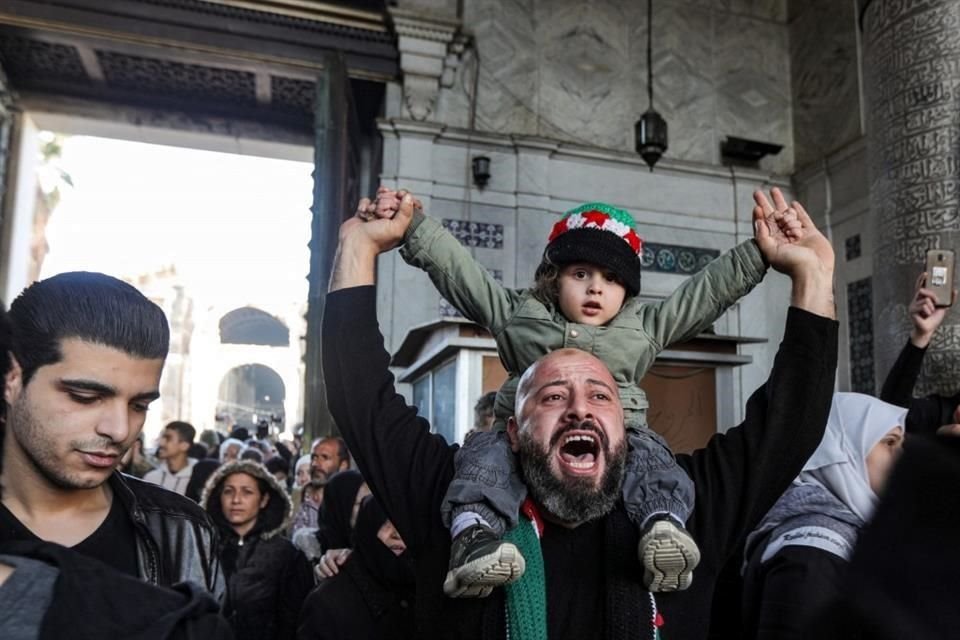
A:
(231, 442)
(857, 422)
(303, 460)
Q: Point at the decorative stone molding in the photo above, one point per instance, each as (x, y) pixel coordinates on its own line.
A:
(425, 42)
(454, 59)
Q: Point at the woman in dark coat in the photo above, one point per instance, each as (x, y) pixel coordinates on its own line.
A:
(373, 594)
(341, 501)
(796, 559)
(267, 577)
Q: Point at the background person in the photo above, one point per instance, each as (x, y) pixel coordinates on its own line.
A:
(338, 514)
(796, 559)
(927, 414)
(483, 416)
(267, 577)
(134, 461)
(372, 595)
(328, 456)
(902, 580)
(176, 465)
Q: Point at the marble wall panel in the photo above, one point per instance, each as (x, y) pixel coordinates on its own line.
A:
(509, 78)
(533, 228)
(584, 60)
(575, 70)
(753, 84)
(824, 78)
(684, 71)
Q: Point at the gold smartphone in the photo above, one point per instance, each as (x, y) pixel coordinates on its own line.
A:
(940, 275)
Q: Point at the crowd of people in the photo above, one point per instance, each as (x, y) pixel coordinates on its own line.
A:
(563, 515)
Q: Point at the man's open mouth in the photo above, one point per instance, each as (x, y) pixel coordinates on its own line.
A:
(580, 451)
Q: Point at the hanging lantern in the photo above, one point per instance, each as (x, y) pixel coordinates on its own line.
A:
(651, 132)
(651, 128)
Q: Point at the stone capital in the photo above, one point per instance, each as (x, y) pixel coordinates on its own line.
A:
(424, 40)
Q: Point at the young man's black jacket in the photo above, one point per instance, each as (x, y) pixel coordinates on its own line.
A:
(176, 541)
(93, 601)
(738, 477)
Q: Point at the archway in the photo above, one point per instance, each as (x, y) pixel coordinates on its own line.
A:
(250, 395)
(248, 325)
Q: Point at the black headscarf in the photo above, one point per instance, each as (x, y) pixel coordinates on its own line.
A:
(391, 570)
(339, 495)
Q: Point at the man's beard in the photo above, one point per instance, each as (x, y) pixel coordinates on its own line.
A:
(40, 447)
(572, 500)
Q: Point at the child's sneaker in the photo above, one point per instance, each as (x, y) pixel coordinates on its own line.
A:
(668, 554)
(480, 561)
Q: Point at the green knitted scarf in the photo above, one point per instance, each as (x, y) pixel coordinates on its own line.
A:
(527, 597)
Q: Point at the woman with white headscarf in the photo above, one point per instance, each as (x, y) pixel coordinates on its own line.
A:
(796, 558)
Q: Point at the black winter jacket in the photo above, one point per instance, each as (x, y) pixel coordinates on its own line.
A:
(354, 605)
(176, 541)
(738, 476)
(267, 576)
(92, 601)
(925, 415)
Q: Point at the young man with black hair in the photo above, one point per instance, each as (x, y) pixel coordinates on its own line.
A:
(176, 467)
(49, 591)
(85, 359)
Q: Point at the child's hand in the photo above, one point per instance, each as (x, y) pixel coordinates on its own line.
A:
(387, 203)
(789, 224)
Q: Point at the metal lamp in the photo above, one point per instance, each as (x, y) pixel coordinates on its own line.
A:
(651, 128)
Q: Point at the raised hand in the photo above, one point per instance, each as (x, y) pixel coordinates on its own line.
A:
(388, 202)
(377, 233)
(924, 313)
(787, 236)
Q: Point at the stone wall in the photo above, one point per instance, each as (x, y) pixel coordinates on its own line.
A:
(576, 70)
(825, 79)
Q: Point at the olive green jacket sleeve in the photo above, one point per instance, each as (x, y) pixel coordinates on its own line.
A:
(457, 275)
(704, 296)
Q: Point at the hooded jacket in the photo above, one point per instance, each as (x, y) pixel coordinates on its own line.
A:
(267, 577)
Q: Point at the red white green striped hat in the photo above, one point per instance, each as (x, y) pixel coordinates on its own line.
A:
(600, 234)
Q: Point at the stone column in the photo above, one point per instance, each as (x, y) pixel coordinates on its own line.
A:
(911, 65)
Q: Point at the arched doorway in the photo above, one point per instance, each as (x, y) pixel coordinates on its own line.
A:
(249, 325)
(252, 394)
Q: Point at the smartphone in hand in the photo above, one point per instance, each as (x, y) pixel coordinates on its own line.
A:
(940, 267)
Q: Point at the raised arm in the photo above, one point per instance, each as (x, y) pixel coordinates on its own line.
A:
(925, 318)
(704, 297)
(406, 466)
(459, 278)
(740, 474)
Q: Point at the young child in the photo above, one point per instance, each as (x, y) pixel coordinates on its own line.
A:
(584, 297)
